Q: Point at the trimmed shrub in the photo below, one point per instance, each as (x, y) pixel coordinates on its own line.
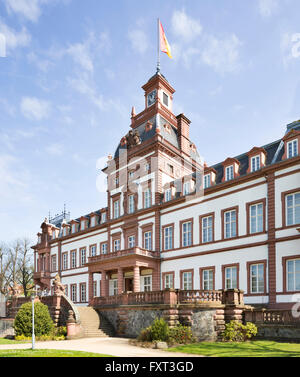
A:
(181, 335)
(159, 330)
(43, 324)
(237, 332)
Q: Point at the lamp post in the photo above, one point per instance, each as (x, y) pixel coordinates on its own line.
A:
(33, 335)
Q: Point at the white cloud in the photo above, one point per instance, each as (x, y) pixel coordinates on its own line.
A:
(185, 26)
(14, 39)
(267, 7)
(34, 108)
(30, 9)
(222, 54)
(290, 47)
(55, 149)
(138, 39)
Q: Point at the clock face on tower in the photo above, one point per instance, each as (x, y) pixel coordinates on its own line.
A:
(151, 98)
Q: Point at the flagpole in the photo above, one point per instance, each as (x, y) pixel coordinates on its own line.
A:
(158, 52)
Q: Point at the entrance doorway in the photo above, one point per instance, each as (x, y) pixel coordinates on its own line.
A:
(128, 284)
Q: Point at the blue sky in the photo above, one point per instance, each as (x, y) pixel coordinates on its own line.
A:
(72, 70)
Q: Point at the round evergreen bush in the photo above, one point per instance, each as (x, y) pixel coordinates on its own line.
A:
(43, 324)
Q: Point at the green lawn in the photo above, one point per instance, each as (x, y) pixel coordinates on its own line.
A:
(48, 353)
(257, 348)
(11, 341)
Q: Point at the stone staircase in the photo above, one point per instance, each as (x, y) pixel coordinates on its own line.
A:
(93, 325)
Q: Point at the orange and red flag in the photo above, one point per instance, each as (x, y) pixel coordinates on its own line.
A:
(164, 45)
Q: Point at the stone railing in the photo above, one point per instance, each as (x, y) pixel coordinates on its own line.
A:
(121, 253)
(271, 316)
(200, 296)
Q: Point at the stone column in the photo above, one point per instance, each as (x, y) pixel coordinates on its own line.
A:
(103, 292)
(120, 281)
(91, 287)
(136, 279)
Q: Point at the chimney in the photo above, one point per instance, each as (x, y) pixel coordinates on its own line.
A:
(183, 126)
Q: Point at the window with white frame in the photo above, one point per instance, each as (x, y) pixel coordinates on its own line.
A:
(187, 234)
(82, 293)
(53, 263)
(130, 203)
(292, 148)
(208, 279)
(117, 244)
(168, 238)
(293, 275)
(73, 259)
(168, 195)
(186, 188)
(82, 225)
(169, 281)
(95, 289)
(104, 248)
(147, 198)
(131, 241)
(65, 231)
(93, 221)
(74, 292)
(147, 283)
(73, 228)
(93, 250)
(207, 181)
(113, 287)
(187, 280)
(230, 277)
(293, 209)
(229, 173)
(82, 257)
(165, 99)
(230, 224)
(65, 261)
(256, 218)
(148, 240)
(116, 209)
(207, 229)
(103, 217)
(257, 278)
(255, 163)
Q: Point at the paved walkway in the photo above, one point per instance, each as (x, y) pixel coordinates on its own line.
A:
(108, 346)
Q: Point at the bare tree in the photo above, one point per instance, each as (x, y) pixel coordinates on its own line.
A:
(4, 268)
(25, 266)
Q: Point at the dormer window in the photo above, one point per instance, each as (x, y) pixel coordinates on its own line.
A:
(168, 195)
(93, 221)
(207, 181)
(103, 217)
(73, 228)
(186, 188)
(229, 173)
(255, 163)
(82, 225)
(65, 231)
(292, 148)
(53, 234)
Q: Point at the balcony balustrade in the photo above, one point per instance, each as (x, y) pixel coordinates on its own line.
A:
(125, 252)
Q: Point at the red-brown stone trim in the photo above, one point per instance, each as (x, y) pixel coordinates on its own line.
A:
(224, 266)
(223, 211)
(249, 264)
(248, 205)
(201, 270)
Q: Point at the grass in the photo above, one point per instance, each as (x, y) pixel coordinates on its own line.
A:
(48, 353)
(12, 341)
(257, 348)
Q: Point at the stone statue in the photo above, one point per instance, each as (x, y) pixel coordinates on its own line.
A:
(133, 138)
(16, 290)
(59, 288)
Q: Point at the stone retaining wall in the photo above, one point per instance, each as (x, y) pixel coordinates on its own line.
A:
(6, 328)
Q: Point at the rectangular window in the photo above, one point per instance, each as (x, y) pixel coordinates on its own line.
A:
(116, 209)
(229, 173)
(230, 224)
(187, 234)
(208, 280)
(292, 148)
(103, 217)
(255, 163)
(104, 248)
(93, 221)
(186, 188)
(187, 280)
(256, 218)
(168, 238)
(148, 240)
(73, 259)
(82, 293)
(53, 234)
(207, 181)
(73, 292)
(230, 277)
(147, 283)
(73, 228)
(82, 257)
(170, 169)
(207, 229)
(95, 289)
(293, 209)
(293, 275)
(113, 287)
(131, 241)
(167, 195)
(165, 99)
(169, 283)
(65, 261)
(93, 250)
(65, 231)
(53, 263)
(147, 198)
(257, 278)
(82, 225)
(130, 203)
(117, 245)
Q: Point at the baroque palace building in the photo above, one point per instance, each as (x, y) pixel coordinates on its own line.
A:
(171, 221)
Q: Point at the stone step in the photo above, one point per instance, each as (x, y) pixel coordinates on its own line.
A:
(92, 324)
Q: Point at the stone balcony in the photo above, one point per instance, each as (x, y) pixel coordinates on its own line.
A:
(42, 275)
(134, 251)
